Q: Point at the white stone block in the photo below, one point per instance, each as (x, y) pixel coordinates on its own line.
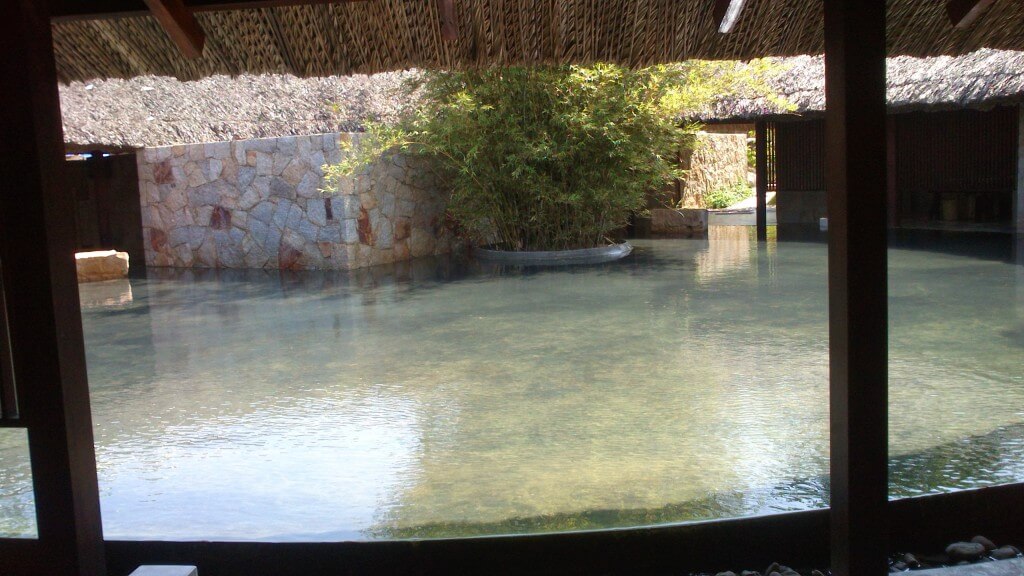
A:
(101, 265)
(153, 570)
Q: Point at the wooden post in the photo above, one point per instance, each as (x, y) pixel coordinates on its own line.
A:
(1018, 199)
(761, 169)
(892, 193)
(37, 244)
(855, 177)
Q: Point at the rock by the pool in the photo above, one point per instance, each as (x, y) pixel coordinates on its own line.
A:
(965, 551)
(101, 265)
(988, 544)
(1004, 553)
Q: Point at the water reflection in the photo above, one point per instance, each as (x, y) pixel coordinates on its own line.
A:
(442, 398)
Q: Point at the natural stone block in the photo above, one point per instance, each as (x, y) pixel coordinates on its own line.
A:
(289, 257)
(308, 230)
(220, 218)
(229, 170)
(264, 164)
(246, 175)
(217, 150)
(309, 186)
(401, 250)
(281, 163)
(196, 178)
(201, 215)
(316, 162)
(101, 265)
(281, 189)
(684, 222)
(403, 228)
(316, 212)
(350, 231)
(266, 145)
(204, 194)
(162, 173)
(207, 254)
(239, 152)
(286, 146)
(367, 201)
(350, 206)
(383, 234)
(365, 228)
(294, 170)
(263, 212)
(331, 233)
(214, 169)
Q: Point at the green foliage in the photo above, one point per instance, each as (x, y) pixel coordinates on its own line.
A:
(726, 196)
(545, 158)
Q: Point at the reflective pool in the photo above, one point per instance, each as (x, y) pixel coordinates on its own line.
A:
(445, 398)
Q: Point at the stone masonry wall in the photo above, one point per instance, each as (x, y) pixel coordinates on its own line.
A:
(258, 204)
(715, 161)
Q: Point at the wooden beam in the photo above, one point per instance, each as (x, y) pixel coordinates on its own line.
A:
(855, 181)
(761, 168)
(727, 14)
(41, 290)
(449, 25)
(963, 13)
(180, 25)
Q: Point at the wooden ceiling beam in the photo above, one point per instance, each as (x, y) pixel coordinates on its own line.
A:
(71, 10)
(727, 14)
(180, 25)
(449, 25)
(963, 13)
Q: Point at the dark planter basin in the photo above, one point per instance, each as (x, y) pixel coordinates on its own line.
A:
(555, 257)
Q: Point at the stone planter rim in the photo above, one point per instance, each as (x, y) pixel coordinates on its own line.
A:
(555, 257)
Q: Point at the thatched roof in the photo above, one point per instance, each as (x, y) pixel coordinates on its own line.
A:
(982, 79)
(155, 111)
(159, 111)
(383, 35)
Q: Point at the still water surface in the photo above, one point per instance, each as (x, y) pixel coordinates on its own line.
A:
(446, 398)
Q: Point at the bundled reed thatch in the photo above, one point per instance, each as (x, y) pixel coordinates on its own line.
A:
(385, 35)
(159, 111)
(982, 79)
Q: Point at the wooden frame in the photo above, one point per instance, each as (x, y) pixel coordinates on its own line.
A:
(47, 349)
(727, 14)
(963, 13)
(761, 168)
(180, 25)
(855, 183)
(41, 290)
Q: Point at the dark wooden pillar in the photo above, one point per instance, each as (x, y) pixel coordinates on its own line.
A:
(761, 168)
(892, 194)
(37, 250)
(855, 179)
